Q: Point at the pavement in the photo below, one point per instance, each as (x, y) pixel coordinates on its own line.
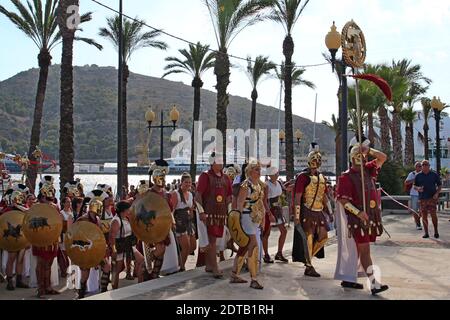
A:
(414, 268)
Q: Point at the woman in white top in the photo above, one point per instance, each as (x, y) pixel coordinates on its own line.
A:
(182, 200)
(67, 216)
(122, 243)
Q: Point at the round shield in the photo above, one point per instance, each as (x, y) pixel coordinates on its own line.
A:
(42, 225)
(237, 232)
(12, 238)
(85, 244)
(151, 219)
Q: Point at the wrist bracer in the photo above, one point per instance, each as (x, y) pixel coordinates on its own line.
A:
(352, 209)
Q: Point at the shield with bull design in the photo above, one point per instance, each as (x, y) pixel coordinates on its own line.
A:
(12, 238)
(151, 218)
(42, 225)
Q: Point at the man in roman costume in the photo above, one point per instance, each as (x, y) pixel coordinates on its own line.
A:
(310, 214)
(214, 195)
(358, 225)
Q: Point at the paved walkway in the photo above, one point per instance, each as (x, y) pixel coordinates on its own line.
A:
(413, 267)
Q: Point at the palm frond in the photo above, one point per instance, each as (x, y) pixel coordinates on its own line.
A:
(287, 13)
(134, 37)
(89, 41)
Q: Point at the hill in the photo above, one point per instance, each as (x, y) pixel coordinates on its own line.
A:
(95, 105)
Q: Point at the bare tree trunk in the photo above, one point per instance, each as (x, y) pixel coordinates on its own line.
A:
(44, 59)
(409, 145)
(253, 114)
(222, 72)
(397, 138)
(371, 129)
(385, 134)
(288, 51)
(66, 126)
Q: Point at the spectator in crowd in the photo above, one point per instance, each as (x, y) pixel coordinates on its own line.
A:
(414, 194)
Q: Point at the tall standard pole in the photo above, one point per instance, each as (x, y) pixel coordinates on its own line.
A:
(343, 120)
(119, 109)
(162, 136)
(315, 118)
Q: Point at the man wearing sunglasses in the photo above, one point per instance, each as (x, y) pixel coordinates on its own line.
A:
(429, 185)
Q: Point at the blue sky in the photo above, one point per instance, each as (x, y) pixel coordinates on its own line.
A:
(415, 29)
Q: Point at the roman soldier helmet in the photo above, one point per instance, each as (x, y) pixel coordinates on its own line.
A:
(143, 186)
(232, 171)
(22, 188)
(105, 188)
(215, 157)
(17, 198)
(95, 200)
(314, 157)
(71, 189)
(356, 155)
(158, 170)
(46, 187)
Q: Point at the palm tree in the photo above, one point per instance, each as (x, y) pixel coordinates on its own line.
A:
(134, 38)
(229, 18)
(195, 62)
(334, 126)
(296, 76)
(66, 126)
(255, 72)
(409, 116)
(426, 109)
(39, 23)
(287, 13)
(399, 86)
(414, 78)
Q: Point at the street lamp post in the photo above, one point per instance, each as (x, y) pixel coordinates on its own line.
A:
(150, 117)
(333, 43)
(282, 136)
(120, 167)
(437, 106)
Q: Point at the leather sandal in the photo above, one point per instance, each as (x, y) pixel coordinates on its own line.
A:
(256, 285)
(236, 279)
(52, 292)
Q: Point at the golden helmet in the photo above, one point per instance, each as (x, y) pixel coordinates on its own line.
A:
(71, 189)
(85, 244)
(42, 225)
(17, 198)
(95, 206)
(48, 190)
(314, 160)
(231, 172)
(158, 170)
(143, 187)
(356, 155)
(12, 238)
(151, 218)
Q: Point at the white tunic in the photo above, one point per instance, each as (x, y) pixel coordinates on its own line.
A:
(274, 189)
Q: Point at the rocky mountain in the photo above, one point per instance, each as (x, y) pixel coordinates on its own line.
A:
(95, 104)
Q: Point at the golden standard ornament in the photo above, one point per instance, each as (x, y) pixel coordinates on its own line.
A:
(12, 238)
(42, 225)
(151, 218)
(353, 45)
(85, 244)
